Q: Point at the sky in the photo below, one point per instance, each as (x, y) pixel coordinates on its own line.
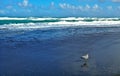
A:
(60, 8)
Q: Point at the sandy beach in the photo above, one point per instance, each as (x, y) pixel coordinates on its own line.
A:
(60, 56)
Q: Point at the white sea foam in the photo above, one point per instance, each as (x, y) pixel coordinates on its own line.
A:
(81, 23)
(40, 19)
(62, 24)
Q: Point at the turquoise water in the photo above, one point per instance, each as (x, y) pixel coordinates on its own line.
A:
(7, 20)
(25, 21)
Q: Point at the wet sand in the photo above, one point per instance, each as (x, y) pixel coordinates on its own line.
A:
(62, 57)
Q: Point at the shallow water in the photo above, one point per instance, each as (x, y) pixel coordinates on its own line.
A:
(57, 52)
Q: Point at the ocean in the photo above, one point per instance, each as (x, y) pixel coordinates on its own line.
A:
(47, 28)
(53, 46)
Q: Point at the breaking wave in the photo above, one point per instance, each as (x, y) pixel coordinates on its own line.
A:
(46, 23)
(7, 20)
(27, 29)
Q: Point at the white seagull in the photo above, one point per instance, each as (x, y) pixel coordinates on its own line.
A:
(85, 57)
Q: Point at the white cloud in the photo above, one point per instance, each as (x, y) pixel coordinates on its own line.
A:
(67, 6)
(25, 3)
(9, 7)
(62, 5)
(119, 7)
(109, 7)
(95, 6)
(115, 0)
(87, 6)
(81, 8)
(52, 3)
(2, 12)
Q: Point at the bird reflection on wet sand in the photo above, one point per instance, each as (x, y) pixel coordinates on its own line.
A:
(85, 65)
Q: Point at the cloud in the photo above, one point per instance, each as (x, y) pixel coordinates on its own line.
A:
(9, 7)
(25, 3)
(119, 7)
(52, 3)
(2, 12)
(62, 5)
(95, 6)
(115, 0)
(82, 8)
(87, 6)
(67, 6)
(109, 7)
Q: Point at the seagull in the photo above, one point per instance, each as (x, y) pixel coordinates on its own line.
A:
(85, 57)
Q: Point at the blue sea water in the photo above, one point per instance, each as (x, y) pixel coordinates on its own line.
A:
(53, 46)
